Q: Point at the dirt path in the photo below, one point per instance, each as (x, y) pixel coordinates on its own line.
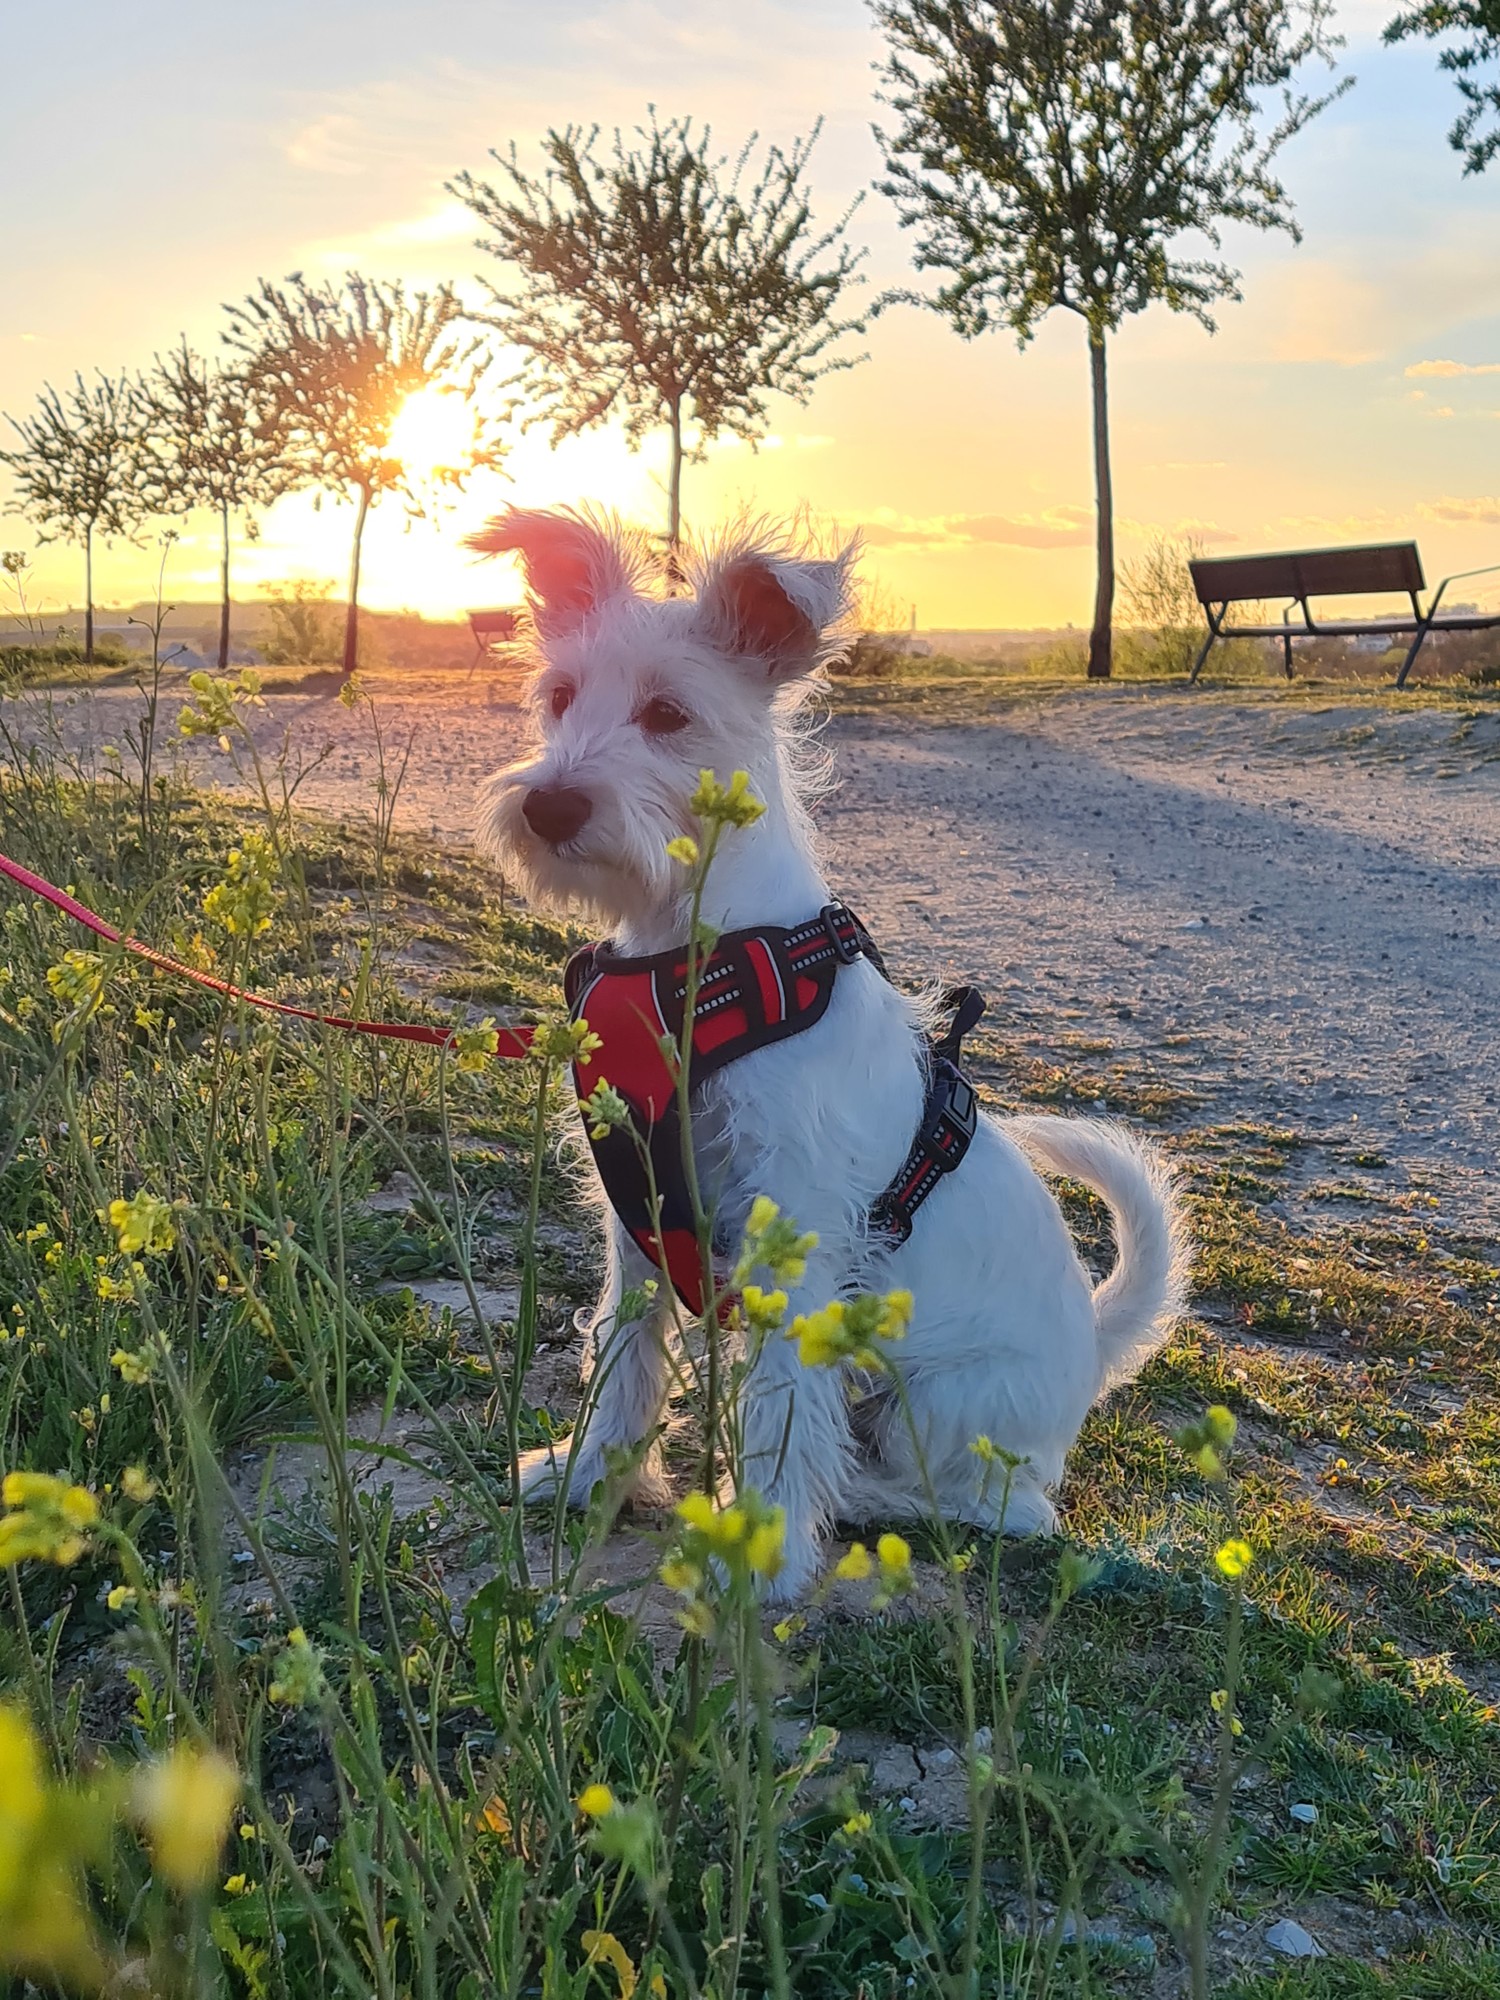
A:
(1294, 907)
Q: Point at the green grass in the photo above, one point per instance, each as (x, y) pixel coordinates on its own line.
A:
(406, 1823)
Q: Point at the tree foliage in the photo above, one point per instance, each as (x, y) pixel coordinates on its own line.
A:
(662, 284)
(77, 470)
(208, 444)
(1479, 20)
(1055, 152)
(1061, 153)
(331, 366)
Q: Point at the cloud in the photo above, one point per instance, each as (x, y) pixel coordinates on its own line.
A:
(1062, 527)
(1188, 529)
(1446, 369)
(450, 222)
(1485, 510)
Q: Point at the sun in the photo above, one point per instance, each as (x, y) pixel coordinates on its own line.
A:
(434, 431)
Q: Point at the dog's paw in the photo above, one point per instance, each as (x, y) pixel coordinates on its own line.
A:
(800, 1559)
(545, 1471)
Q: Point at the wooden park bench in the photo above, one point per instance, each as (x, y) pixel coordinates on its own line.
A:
(1302, 574)
(491, 628)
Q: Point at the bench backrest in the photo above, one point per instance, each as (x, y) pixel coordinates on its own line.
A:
(494, 624)
(1309, 573)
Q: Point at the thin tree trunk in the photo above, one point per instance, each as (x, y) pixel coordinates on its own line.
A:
(674, 498)
(224, 597)
(351, 616)
(88, 595)
(1101, 637)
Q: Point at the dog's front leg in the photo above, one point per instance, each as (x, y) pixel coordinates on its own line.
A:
(797, 1450)
(625, 1393)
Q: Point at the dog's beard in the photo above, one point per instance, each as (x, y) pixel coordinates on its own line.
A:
(616, 870)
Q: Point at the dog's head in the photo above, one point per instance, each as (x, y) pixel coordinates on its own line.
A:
(635, 694)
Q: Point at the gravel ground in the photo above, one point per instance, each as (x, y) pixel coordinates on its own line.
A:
(1292, 906)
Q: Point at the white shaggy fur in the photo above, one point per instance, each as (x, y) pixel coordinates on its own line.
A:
(1008, 1338)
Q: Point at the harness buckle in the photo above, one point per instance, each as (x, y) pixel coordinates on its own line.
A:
(845, 952)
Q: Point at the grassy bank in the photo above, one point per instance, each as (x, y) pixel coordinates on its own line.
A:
(297, 1704)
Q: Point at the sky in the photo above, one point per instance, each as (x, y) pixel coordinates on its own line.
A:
(181, 152)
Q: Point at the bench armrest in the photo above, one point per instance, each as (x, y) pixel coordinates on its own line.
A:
(1458, 576)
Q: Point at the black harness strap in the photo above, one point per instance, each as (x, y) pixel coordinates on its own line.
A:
(949, 1121)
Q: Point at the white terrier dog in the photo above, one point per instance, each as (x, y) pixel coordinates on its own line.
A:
(633, 695)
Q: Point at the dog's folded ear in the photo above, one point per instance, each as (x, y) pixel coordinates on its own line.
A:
(777, 610)
(572, 564)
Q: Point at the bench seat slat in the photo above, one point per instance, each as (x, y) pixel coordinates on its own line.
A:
(1349, 628)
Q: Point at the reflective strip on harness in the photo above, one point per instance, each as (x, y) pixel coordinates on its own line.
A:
(947, 1128)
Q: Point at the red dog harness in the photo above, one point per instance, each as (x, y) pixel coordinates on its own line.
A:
(758, 987)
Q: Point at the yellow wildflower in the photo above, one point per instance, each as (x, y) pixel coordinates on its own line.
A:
(697, 1510)
(604, 1109)
(137, 1484)
(747, 1536)
(857, 1823)
(299, 1671)
(183, 1802)
(845, 1329)
(894, 1553)
(594, 1801)
(1218, 1701)
(566, 1041)
(684, 849)
(1234, 1557)
(679, 1574)
(77, 978)
(244, 901)
(733, 804)
(773, 1241)
(475, 1047)
(145, 1222)
(45, 1932)
(121, 1597)
(49, 1519)
(855, 1565)
(137, 1367)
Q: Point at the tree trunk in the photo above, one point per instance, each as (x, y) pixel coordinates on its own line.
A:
(351, 616)
(1101, 637)
(224, 594)
(88, 595)
(674, 499)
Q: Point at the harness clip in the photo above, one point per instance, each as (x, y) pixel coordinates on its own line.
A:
(845, 952)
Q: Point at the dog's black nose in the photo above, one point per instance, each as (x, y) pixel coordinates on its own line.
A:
(556, 813)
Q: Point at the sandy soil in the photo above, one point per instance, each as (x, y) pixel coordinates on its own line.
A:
(1294, 907)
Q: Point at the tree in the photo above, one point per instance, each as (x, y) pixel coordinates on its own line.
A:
(656, 285)
(1480, 18)
(334, 367)
(77, 471)
(209, 445)
(1053, 152)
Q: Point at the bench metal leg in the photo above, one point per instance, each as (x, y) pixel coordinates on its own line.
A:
(1411, 653)
(1286, 648)
(1207, 647)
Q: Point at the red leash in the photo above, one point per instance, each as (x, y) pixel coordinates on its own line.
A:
(513, 1042)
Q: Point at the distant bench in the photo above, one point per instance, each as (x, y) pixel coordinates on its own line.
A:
(491, 628)
(1302, 574)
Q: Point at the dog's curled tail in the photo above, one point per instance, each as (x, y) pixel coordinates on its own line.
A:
(1136, 1305)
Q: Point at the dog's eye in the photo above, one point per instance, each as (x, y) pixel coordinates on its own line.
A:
(560, 700)
(662, 717)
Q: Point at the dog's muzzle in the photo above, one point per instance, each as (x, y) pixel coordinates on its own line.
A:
(556, 813)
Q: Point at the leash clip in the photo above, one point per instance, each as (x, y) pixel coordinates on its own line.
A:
(845, 951)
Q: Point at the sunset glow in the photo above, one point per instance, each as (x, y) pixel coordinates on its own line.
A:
(1348, 397)
(433, 433)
